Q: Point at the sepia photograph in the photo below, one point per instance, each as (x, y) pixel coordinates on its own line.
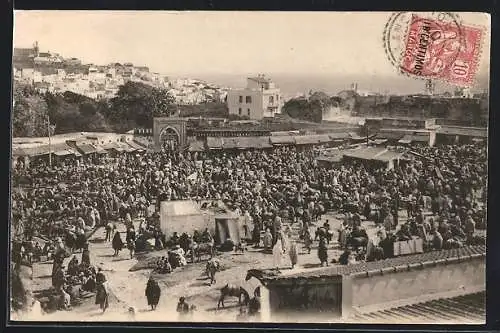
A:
(257, 167)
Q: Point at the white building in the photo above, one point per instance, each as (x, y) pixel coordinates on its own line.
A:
(261, 98)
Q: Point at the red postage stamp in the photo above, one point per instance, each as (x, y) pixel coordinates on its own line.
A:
(441, 50)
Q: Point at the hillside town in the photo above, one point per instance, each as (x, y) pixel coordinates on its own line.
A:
(52, 72)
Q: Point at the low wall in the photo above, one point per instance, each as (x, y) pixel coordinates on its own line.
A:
(410, 281)
(339, 291)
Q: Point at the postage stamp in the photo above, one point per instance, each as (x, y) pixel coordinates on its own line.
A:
(434, 46)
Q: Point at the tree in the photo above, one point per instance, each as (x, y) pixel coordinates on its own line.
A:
(29, 114)
(312, 108)
(136, 104)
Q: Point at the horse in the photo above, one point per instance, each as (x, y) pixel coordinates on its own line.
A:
(211, 268)
(233, 291)
(203, 248)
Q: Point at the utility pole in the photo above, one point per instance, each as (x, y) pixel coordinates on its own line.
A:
(367, 135)
(50, 145)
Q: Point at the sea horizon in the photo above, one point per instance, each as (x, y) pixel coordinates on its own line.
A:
(331, 84)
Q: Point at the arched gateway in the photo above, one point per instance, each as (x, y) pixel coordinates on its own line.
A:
(169, 133)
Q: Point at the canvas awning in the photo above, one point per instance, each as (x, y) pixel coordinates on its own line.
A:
(126, 147)
(407, 139)
(338, 136)
(230, 143)
(37, 151)
(19, 152)
(215, 143)
(227, 228)
(136, 145)
(479, 132)
(263, 142)
(324, 138)
(378, 141)
(62, 149)
(331, 158)
(355, 136)
(388, 156)
(282, 140)
(63, 153)
(101, 151)
(85, 148)
(308, 139)
(196, 146)
(364, 153)
(252, 142)
(113, 146)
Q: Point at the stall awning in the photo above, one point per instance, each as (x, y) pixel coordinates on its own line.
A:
(215, 143)
(255, 142)
(63, 153)
(331, 158)
(58, 149)
(62, 149)
(355, 136)
(113, 146)
(282, 140)
(126, 147)
(309, 139)
(366, 153)
(230, 143)
(378, 141)
(407, 139)
(101, 151)
(19, 152)
(85, 148)
(338, 136)
(37, 151)
(196, 146)
(388, 155)
(136, 145)
(324, 138)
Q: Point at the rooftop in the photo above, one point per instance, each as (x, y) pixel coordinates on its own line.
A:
(365, 269)
(460, 309)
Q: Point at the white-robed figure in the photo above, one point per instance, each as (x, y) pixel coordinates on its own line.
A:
(293, 253)
(279, 250)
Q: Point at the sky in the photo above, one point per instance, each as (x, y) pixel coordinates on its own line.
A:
(203, 43)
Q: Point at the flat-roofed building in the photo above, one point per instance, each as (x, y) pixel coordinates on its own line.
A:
(260, 99)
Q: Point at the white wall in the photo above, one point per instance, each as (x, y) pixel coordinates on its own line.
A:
(233, 103)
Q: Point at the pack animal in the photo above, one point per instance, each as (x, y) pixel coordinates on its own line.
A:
(233, 291)
(200, 249)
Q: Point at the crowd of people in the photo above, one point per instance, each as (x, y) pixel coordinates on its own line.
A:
(262, 186)
(442, 189)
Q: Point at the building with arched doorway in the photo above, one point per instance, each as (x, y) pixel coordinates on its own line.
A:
(169, 133)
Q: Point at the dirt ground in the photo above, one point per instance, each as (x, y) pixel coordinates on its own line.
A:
(128, 288)
(189, 281)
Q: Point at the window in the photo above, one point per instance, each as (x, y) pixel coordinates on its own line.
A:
(271, 99)
(239, 111)
(241, 99)
(248, 99)
(248, 112)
